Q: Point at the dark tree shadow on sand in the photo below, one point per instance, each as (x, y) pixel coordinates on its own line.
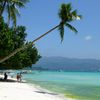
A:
(42, 92)
(8, 80)
(11, 80)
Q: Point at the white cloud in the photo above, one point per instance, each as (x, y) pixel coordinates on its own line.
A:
(88, 37)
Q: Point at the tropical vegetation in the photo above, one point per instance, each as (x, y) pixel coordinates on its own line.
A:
(66, 15)
(10, 40)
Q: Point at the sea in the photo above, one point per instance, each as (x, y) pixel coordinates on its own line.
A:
(76, 85)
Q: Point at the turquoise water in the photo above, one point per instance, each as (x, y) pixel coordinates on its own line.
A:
(79, 85)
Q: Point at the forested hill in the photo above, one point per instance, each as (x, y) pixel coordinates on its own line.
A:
(67, 64)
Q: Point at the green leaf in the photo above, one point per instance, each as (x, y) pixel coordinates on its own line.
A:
(61, 30)
(71, 27)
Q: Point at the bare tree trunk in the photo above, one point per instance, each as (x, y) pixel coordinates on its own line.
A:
(25, 46)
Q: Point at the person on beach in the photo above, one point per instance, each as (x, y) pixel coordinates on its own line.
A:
(5, 76)
(19, 77)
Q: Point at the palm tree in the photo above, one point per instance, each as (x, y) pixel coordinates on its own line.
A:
(11, 7)
(67, 15)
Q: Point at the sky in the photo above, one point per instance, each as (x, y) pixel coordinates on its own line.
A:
(41, 15)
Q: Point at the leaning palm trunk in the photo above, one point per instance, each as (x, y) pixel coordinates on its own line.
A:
(66, 15)
(25, 46)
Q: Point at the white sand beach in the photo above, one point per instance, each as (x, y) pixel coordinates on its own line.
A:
(24, 91)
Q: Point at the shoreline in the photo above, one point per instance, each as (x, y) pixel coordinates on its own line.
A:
(45, 91)
(26, 91)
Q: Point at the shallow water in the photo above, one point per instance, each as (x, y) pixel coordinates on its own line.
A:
(79, 85)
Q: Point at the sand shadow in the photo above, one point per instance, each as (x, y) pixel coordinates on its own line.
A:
(8, 80)
(42, 92)
(11, 80)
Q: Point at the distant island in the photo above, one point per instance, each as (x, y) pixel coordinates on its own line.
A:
(67, 64)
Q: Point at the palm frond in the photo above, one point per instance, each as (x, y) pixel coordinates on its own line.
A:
(74, 13)
(71, 27)
(13, 15)
(16, 10)
(61, 30)
(9, 13)
(80, 16)
(75, 16)
(65, 13)
(62, 12)
(18, 3)
(68, 7)
(25, 1)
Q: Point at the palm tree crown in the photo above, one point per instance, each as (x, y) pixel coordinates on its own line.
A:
(67, 15)
(11, 7)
